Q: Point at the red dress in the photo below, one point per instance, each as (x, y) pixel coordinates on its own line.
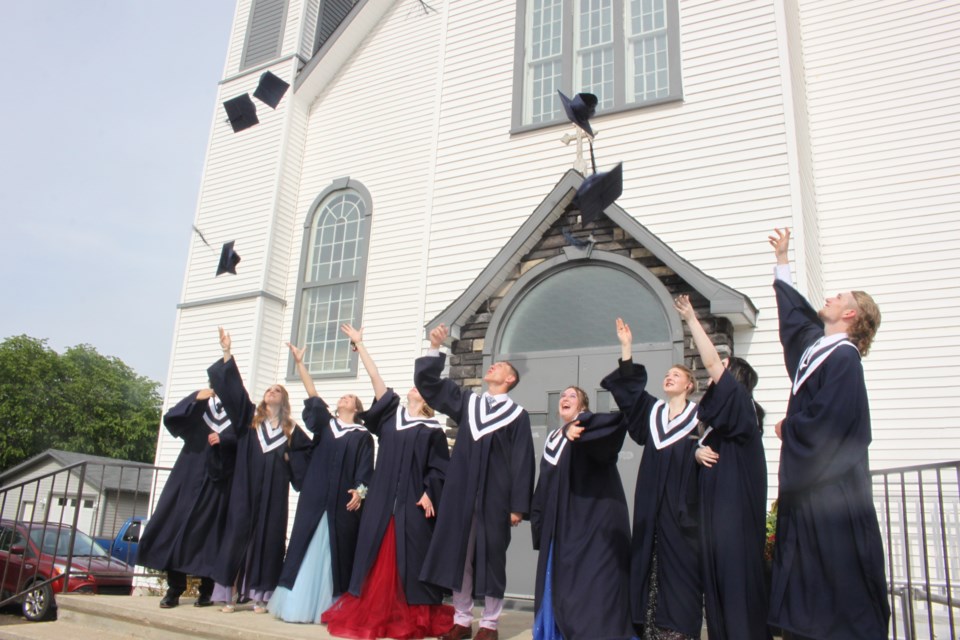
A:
(382, 611)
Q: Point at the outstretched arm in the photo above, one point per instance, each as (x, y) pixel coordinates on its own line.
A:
(356, 341)
(302, 370)
(708, 352)
(442, 394)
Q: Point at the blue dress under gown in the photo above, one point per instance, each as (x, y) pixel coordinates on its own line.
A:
(312, 592)
(545, 625)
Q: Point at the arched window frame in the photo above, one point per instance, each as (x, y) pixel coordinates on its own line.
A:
(336, 188)
(545, 270)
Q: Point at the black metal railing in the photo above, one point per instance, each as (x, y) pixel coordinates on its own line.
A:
(919, 512)
(40, 519)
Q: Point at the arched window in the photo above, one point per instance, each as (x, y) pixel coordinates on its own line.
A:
(336, 238)
(574, 308)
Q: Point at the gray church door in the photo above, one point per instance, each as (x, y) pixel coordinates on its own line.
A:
(554, 346)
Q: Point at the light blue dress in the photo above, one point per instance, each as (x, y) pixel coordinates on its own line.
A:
(312, 592)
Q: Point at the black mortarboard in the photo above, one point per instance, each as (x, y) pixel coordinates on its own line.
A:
(598, 192)
(241, 112)
(270, 90)
(228, 259)
(580, 109)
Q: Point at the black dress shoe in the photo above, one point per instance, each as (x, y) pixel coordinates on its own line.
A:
(170, 600)
(203, 601)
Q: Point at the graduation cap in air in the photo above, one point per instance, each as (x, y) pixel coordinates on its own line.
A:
(241, 112)
(228, 259)
(270, 90)
(598, 192)
(580, 109)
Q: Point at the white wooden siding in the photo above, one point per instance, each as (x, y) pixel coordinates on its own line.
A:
(883, 95)
(838, 119)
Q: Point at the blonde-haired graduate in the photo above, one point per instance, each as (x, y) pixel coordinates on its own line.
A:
(332, 470)
(251, 554)
(828, 571)
(665, 589)
(732, 483)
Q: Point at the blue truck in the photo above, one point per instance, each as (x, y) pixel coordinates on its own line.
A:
(123, 546)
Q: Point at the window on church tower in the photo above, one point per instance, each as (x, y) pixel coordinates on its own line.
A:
(331, 279)
(627, 52)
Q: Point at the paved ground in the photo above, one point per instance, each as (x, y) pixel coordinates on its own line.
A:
(115, 617)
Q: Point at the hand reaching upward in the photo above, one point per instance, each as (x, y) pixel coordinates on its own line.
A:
(437, 335)
(781, 244)
(225, 343)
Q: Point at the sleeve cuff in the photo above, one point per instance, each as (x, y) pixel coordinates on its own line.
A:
(433, 353)
(782, 272)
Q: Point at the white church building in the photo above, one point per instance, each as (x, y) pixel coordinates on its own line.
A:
(416, 172)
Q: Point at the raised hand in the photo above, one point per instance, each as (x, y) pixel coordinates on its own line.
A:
(204, 394)
(437, 335)
(225, 340)
(225, 343)
(781, 244)
(684, 308)
(624, 334)
(356, 337)
(297, 353)
(426, 504)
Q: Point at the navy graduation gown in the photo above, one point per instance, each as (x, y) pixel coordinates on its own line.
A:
(828, 571)
(185, 530)
(338, 458)
(579, 506)
(733, 525)
(412, 460)
(662, 506)
(490, 475)
(256, 527)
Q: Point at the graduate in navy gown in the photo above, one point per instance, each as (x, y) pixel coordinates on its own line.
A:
(665, 587)
(256, 527)
(581, 526)
(487, 490)
(184, 532)
(332, 470)
(732, 482)
(386, 598)
(828, 571)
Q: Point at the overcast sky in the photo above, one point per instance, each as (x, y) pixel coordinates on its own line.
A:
(106, 108)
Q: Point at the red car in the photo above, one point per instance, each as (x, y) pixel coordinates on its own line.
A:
(33, 552)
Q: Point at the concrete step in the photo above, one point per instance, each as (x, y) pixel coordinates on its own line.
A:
(59, 630)
(115, 617)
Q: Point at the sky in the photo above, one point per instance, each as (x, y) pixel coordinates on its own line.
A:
(106, 110)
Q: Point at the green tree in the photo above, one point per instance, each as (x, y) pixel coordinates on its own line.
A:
(79, 401)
